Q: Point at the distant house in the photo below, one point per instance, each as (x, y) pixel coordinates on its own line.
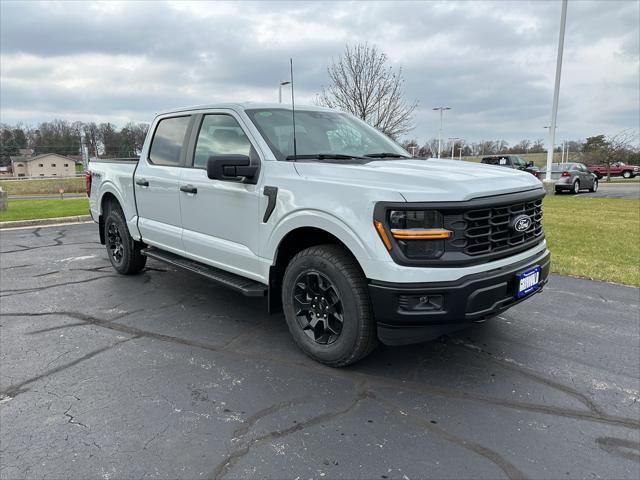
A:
(45, 165)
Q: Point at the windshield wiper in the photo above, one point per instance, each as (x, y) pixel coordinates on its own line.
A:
(385, 155)
(322, 156)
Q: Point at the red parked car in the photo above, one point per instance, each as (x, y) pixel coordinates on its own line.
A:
(617, 169)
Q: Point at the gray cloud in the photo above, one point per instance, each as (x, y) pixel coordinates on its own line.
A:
(493, 62)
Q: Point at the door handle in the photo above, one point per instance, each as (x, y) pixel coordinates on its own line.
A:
(188, 189)
(142, 182)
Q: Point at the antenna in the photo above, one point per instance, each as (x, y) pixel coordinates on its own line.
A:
(293, 114)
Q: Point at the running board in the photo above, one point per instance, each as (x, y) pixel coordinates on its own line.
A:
(246, 286)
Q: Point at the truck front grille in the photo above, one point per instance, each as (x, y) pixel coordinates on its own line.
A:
(488, 230)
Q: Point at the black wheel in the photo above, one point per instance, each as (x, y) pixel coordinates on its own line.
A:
(124, 252)
(576, 187)
(326, 304)
(594, 188)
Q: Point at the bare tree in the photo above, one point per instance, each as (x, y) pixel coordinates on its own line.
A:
(623, 146)
(362, 83)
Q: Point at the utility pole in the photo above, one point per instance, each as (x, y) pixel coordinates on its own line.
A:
(556, 95)
(442, 109)
(460, 153)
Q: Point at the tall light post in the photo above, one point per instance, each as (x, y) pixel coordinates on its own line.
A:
(453, 144)
(556, 94)
(442, 109)
(556, 128)
(282, 83)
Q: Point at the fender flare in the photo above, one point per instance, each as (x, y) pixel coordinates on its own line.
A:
(130, 217)
(323, 221)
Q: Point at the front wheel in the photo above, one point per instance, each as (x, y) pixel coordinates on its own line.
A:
(594, 188)
(123, 251)
(326, 305)
(627, 174)
(576, 187)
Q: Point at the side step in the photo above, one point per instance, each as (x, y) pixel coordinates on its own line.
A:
(246, 286)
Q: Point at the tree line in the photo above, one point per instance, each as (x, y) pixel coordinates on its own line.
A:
(103, 140)
(598, 149)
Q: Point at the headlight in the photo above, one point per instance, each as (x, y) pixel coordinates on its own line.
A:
(418, 233)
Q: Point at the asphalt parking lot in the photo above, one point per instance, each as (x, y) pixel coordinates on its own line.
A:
(164, 375)
(630, 189)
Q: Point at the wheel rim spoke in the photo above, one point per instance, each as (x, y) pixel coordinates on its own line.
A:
(318, 307)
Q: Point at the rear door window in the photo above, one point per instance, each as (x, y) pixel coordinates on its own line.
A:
(168, 141)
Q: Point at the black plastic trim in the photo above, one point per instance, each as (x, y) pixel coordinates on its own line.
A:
(469, 299)
(272, 194)
(246, 286)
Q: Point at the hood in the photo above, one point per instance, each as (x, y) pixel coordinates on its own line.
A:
(424, 180)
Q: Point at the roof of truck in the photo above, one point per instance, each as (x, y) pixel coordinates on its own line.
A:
(243, 106)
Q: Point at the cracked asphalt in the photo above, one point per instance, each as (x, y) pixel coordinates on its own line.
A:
(165, 375)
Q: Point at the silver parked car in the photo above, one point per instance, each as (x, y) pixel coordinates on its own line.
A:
(571, 177)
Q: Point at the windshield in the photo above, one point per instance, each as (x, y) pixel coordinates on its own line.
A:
(322, 134)
(519, 161)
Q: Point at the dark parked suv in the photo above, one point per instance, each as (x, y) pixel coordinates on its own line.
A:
(512, 161)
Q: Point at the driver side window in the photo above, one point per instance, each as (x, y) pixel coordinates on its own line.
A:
(219, 134)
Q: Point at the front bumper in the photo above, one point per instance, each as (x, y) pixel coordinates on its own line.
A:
(414, 313)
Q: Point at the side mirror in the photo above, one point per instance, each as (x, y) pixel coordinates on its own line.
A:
(530, 164)
(234, 168)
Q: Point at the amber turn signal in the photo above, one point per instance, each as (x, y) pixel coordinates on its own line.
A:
(383, 234)
(421, 234)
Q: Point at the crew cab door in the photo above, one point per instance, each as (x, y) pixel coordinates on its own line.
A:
(220, 219)
(157, 183)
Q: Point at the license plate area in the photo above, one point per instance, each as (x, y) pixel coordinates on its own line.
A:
(528, 281)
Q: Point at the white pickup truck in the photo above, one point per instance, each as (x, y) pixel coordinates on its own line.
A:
(355, 240)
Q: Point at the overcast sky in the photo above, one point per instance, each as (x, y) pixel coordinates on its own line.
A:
(492, 62)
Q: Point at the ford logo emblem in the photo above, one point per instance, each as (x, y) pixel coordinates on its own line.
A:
(521, 223)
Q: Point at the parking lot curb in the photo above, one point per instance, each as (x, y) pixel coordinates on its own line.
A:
(45, 221)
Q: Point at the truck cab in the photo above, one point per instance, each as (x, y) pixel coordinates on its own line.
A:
(334, 222)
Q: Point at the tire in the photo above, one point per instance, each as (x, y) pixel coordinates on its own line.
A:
(326, 278)
(594, 188)
(123, 251)
(576, 187)
(627, 174)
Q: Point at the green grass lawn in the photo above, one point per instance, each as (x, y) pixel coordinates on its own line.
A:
(30, 209)
(48, 186)
(597, 238)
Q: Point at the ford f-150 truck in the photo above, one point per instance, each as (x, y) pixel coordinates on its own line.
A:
(331, 220)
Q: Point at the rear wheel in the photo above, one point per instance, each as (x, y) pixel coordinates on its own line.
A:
(124, 252)
(594, 188)
(326, 304)
(576, 187)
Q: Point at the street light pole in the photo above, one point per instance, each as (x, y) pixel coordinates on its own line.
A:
(442, 109)
(453, 144)
(556, 94)
(282, 82)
